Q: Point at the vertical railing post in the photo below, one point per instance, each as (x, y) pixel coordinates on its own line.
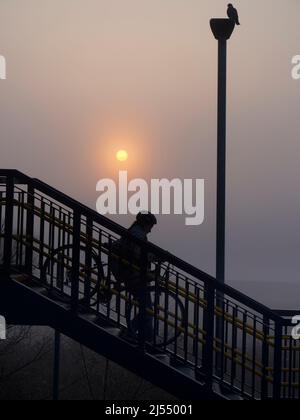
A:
(75, 261)
(143, 298)
(265, 359)
(209, 327)
(277, 361)
(88, 261)
(29, 229)
(9, 210)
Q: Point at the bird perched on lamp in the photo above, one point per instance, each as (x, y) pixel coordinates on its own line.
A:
(233, 14)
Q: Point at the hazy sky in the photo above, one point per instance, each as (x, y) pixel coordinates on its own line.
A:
(87, 77)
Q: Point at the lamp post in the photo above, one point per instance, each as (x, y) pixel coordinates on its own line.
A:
(222, 30)
(56, 367)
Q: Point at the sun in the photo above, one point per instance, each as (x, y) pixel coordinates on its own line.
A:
(122, 155)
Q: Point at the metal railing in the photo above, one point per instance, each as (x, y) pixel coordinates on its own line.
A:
(223, 335)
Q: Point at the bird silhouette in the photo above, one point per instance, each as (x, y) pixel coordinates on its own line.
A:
(233, 14)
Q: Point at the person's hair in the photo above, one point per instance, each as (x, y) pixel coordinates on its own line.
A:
(144, 218)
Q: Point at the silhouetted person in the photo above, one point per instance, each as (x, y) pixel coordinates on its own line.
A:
(233, 14)
(129, 274)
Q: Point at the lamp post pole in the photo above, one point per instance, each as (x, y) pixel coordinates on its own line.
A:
(56, 367)
(222, 30)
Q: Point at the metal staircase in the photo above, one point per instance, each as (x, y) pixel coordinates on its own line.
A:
(209, 342)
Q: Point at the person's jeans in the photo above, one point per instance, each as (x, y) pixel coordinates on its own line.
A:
(135, 324)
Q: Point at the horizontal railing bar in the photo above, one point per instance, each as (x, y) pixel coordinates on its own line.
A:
(285, 313)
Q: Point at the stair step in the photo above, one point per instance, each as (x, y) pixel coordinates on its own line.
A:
(163, 358)
(41, 290)
(29, 282)
(226, 393)
(234, 397)
(21, 278)
(113, 331)
(90, 317)
(230, 395)
(186, 371)
(66, 306)
(58, 296)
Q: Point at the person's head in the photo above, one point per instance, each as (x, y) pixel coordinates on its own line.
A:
(230, 5)
(146, 220)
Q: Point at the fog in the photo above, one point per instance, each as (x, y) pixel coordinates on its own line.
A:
(85, 78)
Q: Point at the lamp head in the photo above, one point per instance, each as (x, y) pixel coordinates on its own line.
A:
(222, 28)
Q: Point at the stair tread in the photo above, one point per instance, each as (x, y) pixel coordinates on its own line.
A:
(113, 331)
(186, 371)
(163, 358)
(230, 395)
(20, 277)
(41, 290)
